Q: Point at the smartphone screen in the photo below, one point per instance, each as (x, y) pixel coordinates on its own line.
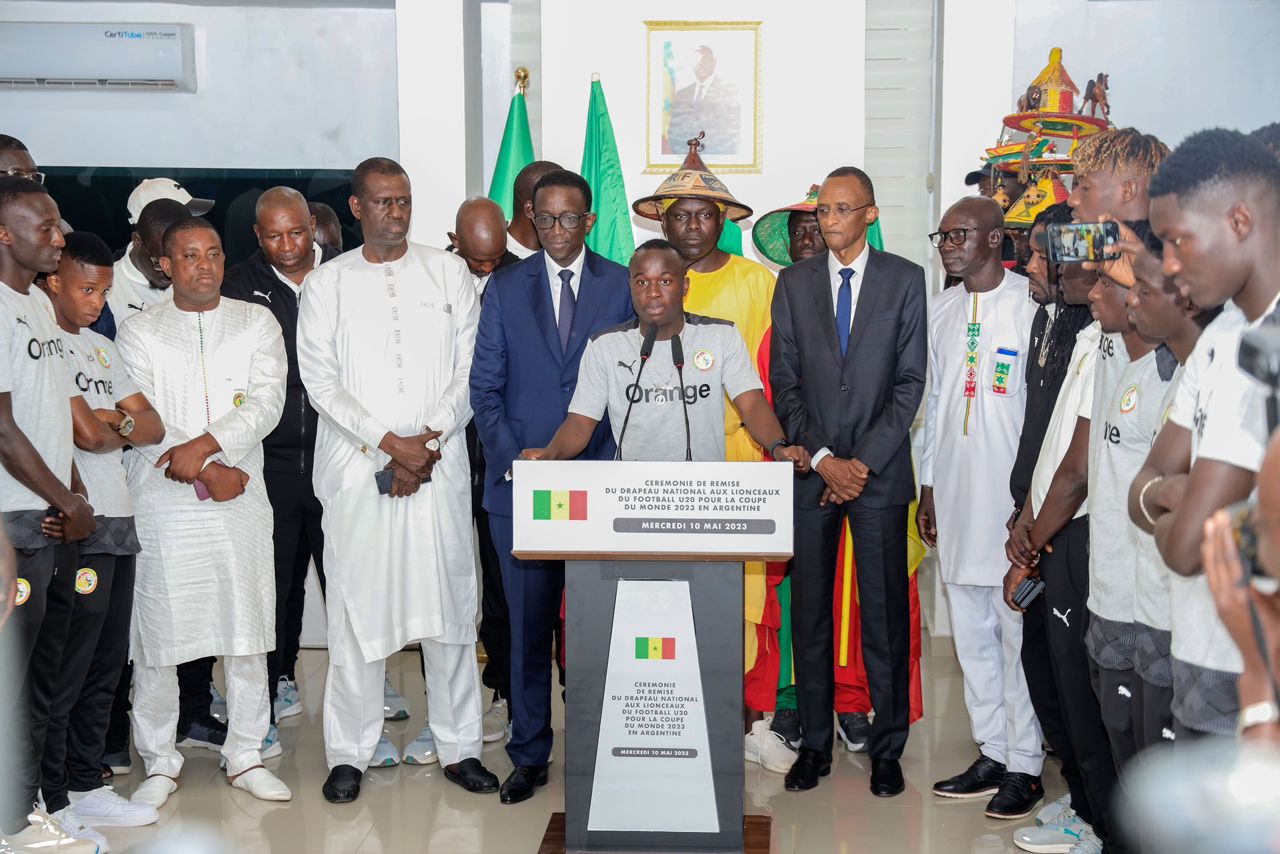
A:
(1075, 242)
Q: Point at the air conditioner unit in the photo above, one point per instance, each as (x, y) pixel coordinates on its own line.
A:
(107, 56)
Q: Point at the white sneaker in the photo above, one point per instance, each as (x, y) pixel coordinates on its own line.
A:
(155, 790)
(422, 750)
(1088, 844)
(271, 746)
(495, 721)
(1058, 836)
(45, 836)
(766, 747)
(104, 808)
(72, 824)
(1049, 812)
(394, 708)
(217, 703)
(385, 755)
(262, 784)
(288, 701)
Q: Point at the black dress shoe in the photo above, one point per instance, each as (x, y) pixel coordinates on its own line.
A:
(979, 780)
(472, 776)
(1018, 796)
(520, 784)
(886, 778)
(810, 765)
(343, 785)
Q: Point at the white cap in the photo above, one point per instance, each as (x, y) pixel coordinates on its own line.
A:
(163, 188)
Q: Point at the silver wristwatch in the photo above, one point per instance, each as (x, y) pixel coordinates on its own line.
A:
(433, 444)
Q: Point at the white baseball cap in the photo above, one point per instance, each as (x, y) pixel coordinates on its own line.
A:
(163, 188)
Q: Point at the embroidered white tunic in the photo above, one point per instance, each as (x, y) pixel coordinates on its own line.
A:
(387, 348)
(973, 418)
(206, 576)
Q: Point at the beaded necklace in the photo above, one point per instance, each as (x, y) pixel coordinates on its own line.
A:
(204, 371)
(972, 332)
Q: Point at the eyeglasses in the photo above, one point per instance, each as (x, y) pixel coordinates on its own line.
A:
(568, 221)
(38, 177)
(840, 210)
(956, 237)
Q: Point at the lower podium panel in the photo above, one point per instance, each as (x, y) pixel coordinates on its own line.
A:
(653, 722)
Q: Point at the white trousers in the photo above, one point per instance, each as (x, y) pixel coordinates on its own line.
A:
(988, 639)
(155, 715)
(353, 699)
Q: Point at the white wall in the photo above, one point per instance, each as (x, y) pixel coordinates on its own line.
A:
(308, 88)
(808, 127)
(1176, 67)
(432, 61)
(976, 79)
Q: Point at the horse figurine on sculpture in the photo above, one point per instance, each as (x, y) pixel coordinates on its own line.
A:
(1095, 97)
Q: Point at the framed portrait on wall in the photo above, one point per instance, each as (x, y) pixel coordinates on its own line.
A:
(703, 76)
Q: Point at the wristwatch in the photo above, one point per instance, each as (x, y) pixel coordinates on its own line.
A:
(433, 444)
(126, 423)
(781, 443)
(1257, 714)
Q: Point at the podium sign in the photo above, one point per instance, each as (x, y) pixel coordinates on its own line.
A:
(653, 557)
(655, 510)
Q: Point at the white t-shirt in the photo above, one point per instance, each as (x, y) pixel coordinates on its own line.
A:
(131, 292)
(1224, 409)
(1075, 400)
(716, 363)
(1122, 431)
(33, 371)
(1151, 603)
(98, 375)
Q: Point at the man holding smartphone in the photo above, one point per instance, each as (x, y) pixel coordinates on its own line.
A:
(385, 340)
(215, 371)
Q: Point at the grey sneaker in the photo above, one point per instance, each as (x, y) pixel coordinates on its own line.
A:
(786, 723)
(1088, 844)
(854, 729)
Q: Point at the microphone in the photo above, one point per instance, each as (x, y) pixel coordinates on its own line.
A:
(677, 357)
(646, 350)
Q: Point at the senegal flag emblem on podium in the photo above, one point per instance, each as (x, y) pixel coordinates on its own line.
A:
(560, 505)
(655, 649)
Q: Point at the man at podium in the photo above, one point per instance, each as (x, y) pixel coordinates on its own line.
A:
(662, 378)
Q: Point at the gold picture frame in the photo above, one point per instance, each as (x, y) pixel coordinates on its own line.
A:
(703, 76)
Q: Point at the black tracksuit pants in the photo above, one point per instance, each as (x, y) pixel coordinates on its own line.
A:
(1065, 571)
(35, 635)
(298, 539)
(96, 648)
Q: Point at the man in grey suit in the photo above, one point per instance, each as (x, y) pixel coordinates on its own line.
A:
(847, 365)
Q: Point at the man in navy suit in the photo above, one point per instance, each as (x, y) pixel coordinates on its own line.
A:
(535, 322)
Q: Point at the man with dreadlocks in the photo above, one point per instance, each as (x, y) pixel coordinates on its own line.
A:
(1063, 313)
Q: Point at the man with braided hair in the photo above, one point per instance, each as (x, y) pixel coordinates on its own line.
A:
(1112, 171)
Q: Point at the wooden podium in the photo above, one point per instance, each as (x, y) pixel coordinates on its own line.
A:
(653, 584)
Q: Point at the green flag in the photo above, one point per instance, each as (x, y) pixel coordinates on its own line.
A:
(730, 238)
(612, 236)
(874, 239)
(515, 154)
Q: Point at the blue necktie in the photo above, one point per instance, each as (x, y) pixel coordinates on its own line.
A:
(567, 304)
(844, 310)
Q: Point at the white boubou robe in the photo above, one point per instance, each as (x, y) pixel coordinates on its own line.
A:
(973, 420)
(387, 348)
(206, 574)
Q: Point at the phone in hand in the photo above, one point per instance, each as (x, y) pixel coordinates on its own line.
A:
(1075, 242)
(384, 478)
(202, 491)
(1027, 591)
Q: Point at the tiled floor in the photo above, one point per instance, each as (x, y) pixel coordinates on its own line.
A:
(412, 809)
